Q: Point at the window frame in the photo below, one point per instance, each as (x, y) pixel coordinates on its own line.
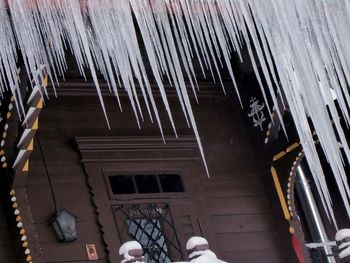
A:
(137, 195)
(165, 218)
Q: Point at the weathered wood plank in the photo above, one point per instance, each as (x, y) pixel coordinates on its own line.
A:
(247, 241)
(243, 223)
(238, 206)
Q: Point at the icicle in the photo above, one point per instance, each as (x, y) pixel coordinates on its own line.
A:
(205, 27)
(183, 49)
(300, 46)
(8, 56)
(152, 59)
(72, 9)
(190, 29)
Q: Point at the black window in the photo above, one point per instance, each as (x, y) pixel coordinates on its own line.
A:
(171, 183)
(121, 184)
(147, 184)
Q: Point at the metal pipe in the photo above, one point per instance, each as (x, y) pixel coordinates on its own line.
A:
(312, 214)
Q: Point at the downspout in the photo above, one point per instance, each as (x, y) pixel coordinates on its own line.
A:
(312, 214)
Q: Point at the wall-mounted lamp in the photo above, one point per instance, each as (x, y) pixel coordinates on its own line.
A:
(64, 224)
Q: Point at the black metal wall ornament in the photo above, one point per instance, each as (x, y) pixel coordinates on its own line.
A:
(65, 226)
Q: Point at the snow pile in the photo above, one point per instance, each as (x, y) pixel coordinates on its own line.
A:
(302, 47)
(196, 241)
(207, 259)
(342, 238)
(126, 248)
(198, 247)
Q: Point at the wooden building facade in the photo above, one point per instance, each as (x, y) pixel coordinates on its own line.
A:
(122, 182)
(129, 183)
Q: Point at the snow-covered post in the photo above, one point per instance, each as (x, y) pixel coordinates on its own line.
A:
(198, 251)
(132, 252)
(343, 243)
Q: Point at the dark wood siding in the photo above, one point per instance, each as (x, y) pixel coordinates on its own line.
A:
(6, 249)
(230, 208)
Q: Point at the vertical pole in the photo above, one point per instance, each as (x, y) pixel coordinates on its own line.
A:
(312, 214)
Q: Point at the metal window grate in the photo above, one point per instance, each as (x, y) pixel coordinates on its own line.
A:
(152, 226)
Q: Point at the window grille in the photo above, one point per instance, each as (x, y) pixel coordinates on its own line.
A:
(153, 227)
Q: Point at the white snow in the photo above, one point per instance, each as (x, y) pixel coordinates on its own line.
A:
(125, 249)
(195, 241)
(203, 256)
(342, 233)
(207, 259)
(344, 253)
(343, 247)
(127, 246)
(207, 253)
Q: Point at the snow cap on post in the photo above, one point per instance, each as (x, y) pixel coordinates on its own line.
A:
(131, 251)
(199, 252)
(195, 242)
(342, 239)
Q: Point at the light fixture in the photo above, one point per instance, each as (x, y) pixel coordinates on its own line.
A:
(64, 224)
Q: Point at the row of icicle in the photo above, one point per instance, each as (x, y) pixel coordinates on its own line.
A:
(302, 47)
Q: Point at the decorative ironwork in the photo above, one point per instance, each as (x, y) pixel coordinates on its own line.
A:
(153, 227)
(257, 113)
